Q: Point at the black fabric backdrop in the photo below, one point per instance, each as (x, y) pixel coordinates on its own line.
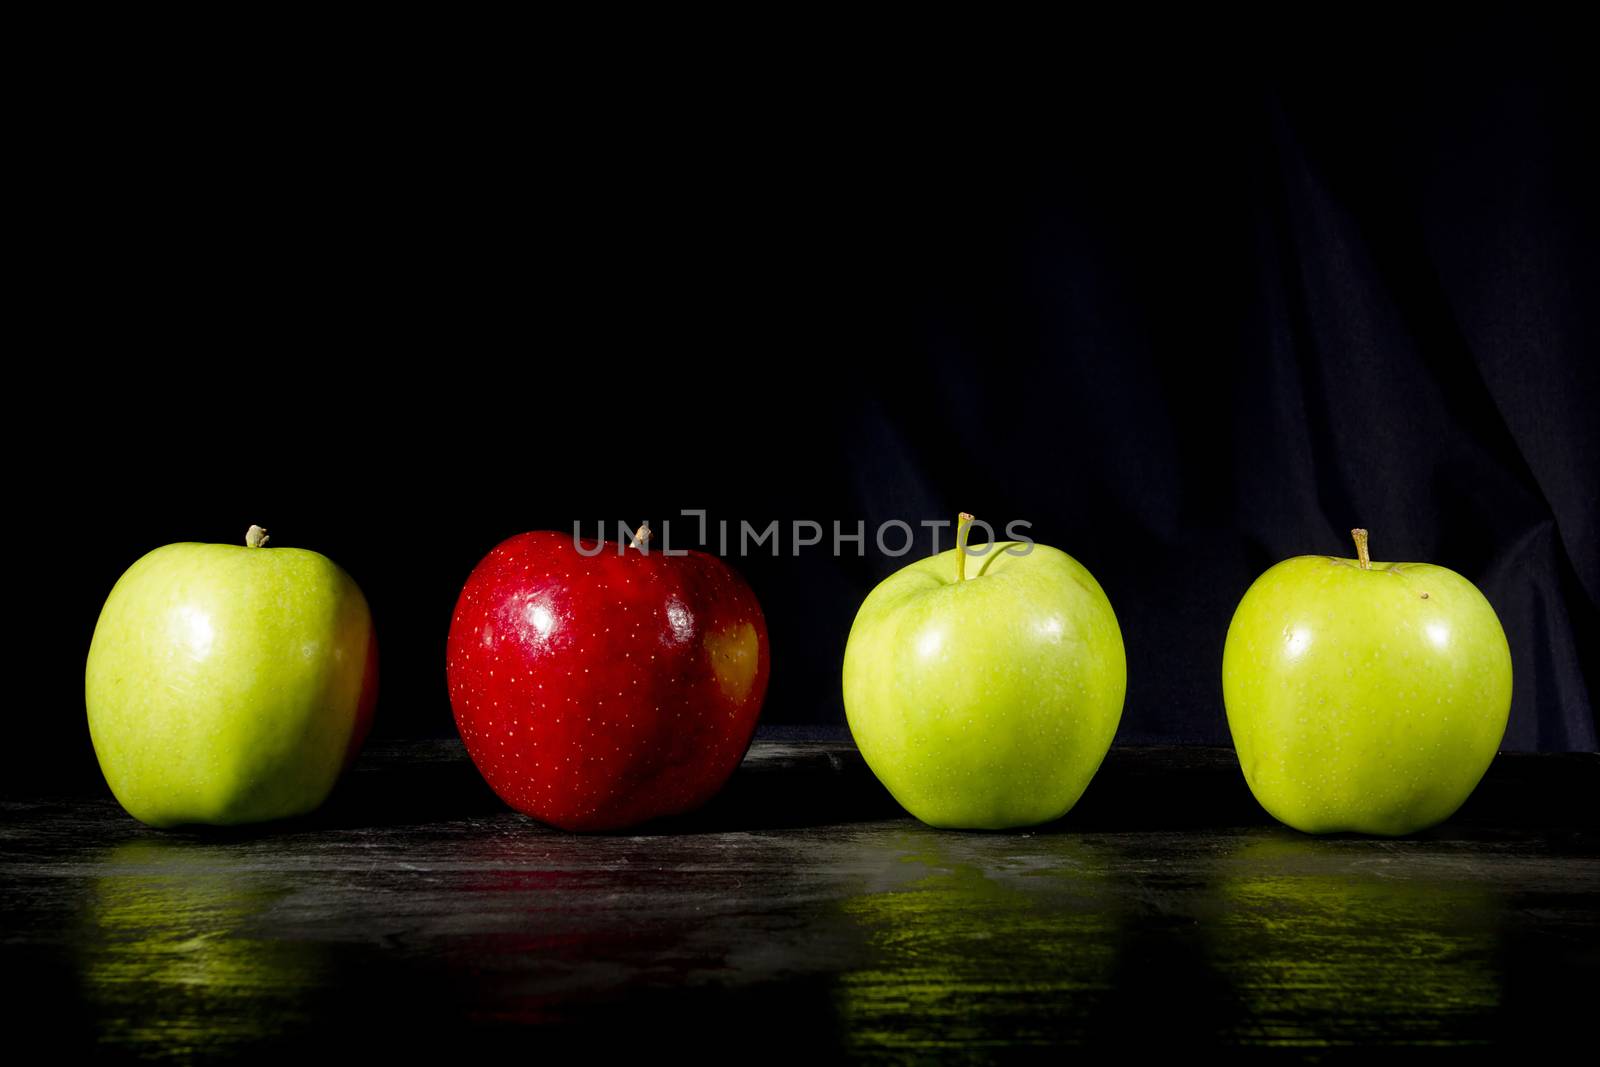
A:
(1188, 311)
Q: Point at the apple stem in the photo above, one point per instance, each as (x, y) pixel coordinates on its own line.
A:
(1361, 548)
(256, 537)
(641, 536)
(963, 524)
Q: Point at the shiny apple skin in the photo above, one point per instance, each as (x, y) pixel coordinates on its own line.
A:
(229, 685)
(1370, 701)
(596, 693)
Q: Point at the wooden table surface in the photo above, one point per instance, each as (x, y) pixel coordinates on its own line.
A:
(804, 916)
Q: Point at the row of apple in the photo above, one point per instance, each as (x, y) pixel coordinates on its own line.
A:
(232, 684)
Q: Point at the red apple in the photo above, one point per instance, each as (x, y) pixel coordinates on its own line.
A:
(598, 691)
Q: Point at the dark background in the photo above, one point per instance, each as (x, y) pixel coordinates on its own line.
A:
(1190, 307)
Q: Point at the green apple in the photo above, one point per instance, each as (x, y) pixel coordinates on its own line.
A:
(986, 700)
(229, 684)
(1364, 696)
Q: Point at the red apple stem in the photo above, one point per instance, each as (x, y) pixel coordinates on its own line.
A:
(963, 525)
(256, 537)
(641, 536)
(1361, 548)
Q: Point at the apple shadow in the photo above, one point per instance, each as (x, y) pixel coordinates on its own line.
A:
(780, 785)
(1196, 789)
(788, 785)
(1145, 789)
(411, 783)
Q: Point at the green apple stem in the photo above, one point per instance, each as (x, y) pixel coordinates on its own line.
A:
(1361, 548)
(963, 524)
(641, 536)
(256, 537)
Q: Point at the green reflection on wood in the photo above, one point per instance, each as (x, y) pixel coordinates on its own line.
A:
(997, 941)
(171, 963)
(1326, 944)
